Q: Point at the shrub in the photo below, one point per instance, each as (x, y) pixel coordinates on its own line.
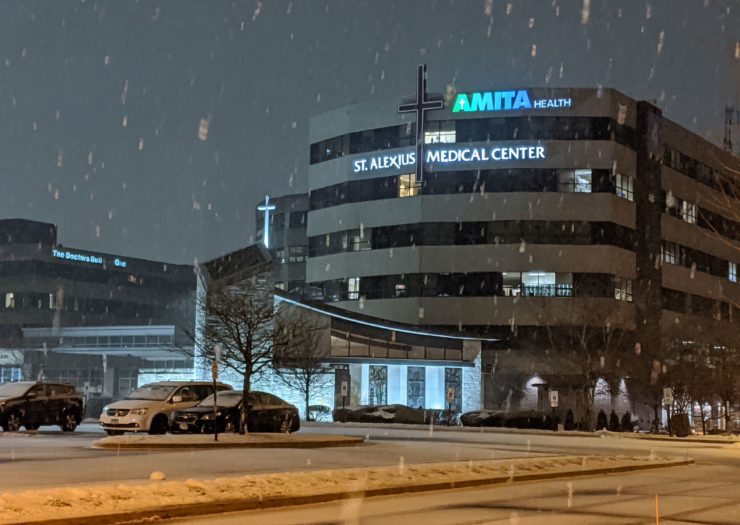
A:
(319, 413)
(601, 422)
(570, 420)
(613, 422)
(627, 422)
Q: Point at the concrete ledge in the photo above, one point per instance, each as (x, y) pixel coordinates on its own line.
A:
(322, 486)
(722, 440)
(205, 441)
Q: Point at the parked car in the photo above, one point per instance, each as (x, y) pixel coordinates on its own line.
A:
(31, 404)
(267, 413)
(149, 408)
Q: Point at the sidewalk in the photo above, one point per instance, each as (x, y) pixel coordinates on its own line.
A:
(724, 440)
(114, 503)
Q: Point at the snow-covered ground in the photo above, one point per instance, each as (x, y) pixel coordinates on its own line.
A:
(256, 490)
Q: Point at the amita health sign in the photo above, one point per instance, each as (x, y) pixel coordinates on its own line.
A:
(447, 156)
(505, 101)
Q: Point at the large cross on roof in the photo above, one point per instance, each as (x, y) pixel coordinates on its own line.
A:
(419, 106)
(267, 208)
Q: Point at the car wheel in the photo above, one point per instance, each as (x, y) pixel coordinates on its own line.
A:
(231, 427)
(159, 425)
(12, 422)
(114, 432)
(69, 422)
(30, 426)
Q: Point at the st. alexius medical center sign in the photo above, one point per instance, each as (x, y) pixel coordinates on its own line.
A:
(451, 154)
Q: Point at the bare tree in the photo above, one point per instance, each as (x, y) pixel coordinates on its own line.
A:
(244, 323)
(725, 364)
(302, 366)
(587, 353)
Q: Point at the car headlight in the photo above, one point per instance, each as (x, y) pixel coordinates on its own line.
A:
(210, 415)
(139, 411)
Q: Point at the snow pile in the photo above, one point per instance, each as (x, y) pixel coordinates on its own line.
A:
(156, 497)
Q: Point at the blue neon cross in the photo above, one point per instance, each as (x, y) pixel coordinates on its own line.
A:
(267, 208)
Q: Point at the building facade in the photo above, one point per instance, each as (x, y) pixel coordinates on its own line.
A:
(102, 322)
(281, 228)
(535, 212)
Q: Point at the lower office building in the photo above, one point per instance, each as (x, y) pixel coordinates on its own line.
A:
(105, 323)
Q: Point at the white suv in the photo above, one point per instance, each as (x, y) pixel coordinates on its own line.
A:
(149, 408)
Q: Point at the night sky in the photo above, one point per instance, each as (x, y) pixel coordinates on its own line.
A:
(151, 128)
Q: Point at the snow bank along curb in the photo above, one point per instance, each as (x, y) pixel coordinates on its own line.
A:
(727, 440)
(253, 440)
(114, 503)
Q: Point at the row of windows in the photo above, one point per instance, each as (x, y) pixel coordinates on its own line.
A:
(39, 270)
(466, 182)
(477, 284)
(474, 130)
(415, 386)
(291, 254)
(693, 214)
(23, 301)
(690, 304)
(279, 221)
(674, 253)
(467, 233)
(695, 169)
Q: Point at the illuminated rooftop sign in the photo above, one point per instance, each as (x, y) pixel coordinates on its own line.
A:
(451, 155)
(86, 258)
(505, 101)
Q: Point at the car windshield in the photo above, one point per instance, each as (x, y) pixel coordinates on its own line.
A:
(152, 392)
(14, 389)
(225, 399)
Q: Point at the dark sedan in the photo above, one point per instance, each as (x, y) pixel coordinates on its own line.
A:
(267, 413)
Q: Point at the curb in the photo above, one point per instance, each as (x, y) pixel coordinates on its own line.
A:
(344, 442)
(237, 505)
(526, 432)
(687, 439)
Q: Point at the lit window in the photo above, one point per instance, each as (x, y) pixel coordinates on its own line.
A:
(353, 288)
(282, 285)
(10, 300)
(408, 186)
(280, 255)
(688, 212)
(625, 187)
(732, 271)
(669, 252)
(440, 132)
(623, 289)
(574, 181)
(400, 290)
(296, 254)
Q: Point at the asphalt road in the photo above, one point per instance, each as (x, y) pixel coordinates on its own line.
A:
(50, 458)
